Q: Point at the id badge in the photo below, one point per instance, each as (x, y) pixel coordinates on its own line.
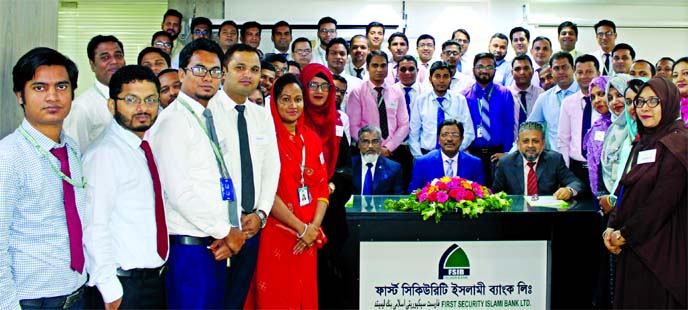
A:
(479, 134)
(304, 196)
(227, 189)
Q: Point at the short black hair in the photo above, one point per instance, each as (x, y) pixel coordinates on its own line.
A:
(567, 24)
(409, 58)
(559, 55)
(327, 20)
(464, 31)
(128, 74)
(266, 65)
(151, 49)
(166, 71)
(173, 12)
(228, 23)
(376, 53)
(299, 40)
(624, 46)
(358, 36)
(337, 77)
(438, 65)
(542, 38)
(375, 24)
(275, 58)
(334, 41)
(605, 22)
(25, 68)
(97, 40)
(588, 58)
(450, 42)
(653, 70)
(161, 33)
(451, 122)
(425, 36)
(680, 60)
(201, 21)
(280, 23)
(249, 25)
(667, 59)
(239, 47)
(501, 36)
(522, 57)
(283, 81)
(397, 35)
(201, 44)
(519, 29)
(480, 56)
(292, 63)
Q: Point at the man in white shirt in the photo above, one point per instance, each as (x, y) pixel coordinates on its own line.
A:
(302, 51)
(520, 38)
(498, 47)
(357, 62)
(605, 32)
(337, 53)
(228, 34)
(375, 32)
(623, 56)
(568, 36)
(89, 115)
(125, 234)
(462, 37)
(524, 91)
(398, 45)
(425, 46)
(201, 27)
(251, 155)
(327, 30)
(250, 34)
(172, 23)
(451, 54)
(281, 38)
(541, 51)
(202, 208)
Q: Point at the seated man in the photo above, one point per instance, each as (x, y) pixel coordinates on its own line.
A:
(448, 161)
(385, 178)
(533, 170)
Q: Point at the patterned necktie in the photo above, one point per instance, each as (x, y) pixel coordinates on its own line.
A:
(587, 120)
(247, 186)
(605, 71)
(440, 118)
(407, 96)
(485, 117)
(524, 105)
(73, 222)
(359, 73)
(368, 182)
(160, 226)
(450, 169)
(532, 180)
(382, 110)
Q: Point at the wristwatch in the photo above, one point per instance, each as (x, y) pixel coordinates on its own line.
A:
(263, 218)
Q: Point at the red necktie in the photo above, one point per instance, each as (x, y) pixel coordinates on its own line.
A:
(73, 221)
(160, 225)
(532, 180)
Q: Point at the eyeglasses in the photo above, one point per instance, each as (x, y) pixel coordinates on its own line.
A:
(303, 52)
(315, 86)
(451, 53)
(369, 142)
(481, 68)
(652, 102)
(201, 32)
(133, 101)
(328, 31)
(201, 71)
(607, 34)
(161, 44)
(450, 134)
(340, 91)
(409, 69)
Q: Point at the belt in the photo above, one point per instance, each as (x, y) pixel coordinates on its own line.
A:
(190, 240)
(65, 301)
(141, 272)
(583, 164)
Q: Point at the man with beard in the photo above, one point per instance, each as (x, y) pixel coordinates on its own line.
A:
(89, 115)
(302, 51)
(374, 174)
(425, 46)
(605, 32)
(498, 47)
(532, 170)
(462, 37)
(198, 186)
(172, 24)
(267, 78)
(227, 35)
(169, 86)
(337, 54)
(520, 38)
(281, 38)
(448, 160)
(451, 54)
(359, 51)
(327, 30)
(125, 236)
(492, 113)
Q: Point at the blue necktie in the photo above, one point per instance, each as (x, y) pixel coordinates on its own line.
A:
(450, 170)
(485, 117)
(407, 96)
(440, 118)
(522, 114)
(458, 66)
(587, 119)
(368, 182)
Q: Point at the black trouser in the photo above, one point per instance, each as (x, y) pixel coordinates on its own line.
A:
(403, 156)
(142, 289)
(580, 170)
(484, 153)
(75, 300)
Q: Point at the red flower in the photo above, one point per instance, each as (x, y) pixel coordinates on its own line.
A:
(469, 196)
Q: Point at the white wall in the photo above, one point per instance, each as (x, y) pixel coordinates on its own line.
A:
(482, 18)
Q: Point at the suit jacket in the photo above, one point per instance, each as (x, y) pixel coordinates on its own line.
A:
(386, 179)
(430, 166)
(551, 172)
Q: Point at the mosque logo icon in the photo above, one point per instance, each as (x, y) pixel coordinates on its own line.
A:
(454, 264)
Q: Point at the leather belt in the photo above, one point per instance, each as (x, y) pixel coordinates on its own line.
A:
(190, 240)
(67, 301)
(141, 272)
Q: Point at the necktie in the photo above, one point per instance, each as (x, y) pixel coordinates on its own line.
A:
(247, 186)
(440, 118)
(161, 227)
(73, 222)
(458, 66)
(532, 180)
(485, 118)
(524, 105)
(368, 182)
(382, 110)
(450, 170)
(359, 73)
(407, 96)
(587, 119)
(605, 71)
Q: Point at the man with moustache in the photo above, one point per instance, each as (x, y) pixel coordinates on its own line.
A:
(359, 51)
(268, 72)
(250, 35)
(337, 54)
(375, 174)
(228, 35)
(162, 40)
(451, 54)
(327, 30)
(398, 46)
(250, 151)
(199, 188)
(169, 86)
(498, 47)
(545, 77)
(172, 24)
(281, 38)
(425, 46)
(664, 66)
(568, 36)
(605, 32)
(520, 38)
(540, 52)
(89, 115)
(623, 56)
(642, 68)
(125, 235)
(462, 37)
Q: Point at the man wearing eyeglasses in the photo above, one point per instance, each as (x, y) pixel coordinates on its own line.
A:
(327, 30)
(337, 54)
(302, 51)
(202, 211)
(462, 37)
(451, 54)
(201, 27)
(605, 32)
(163, 41)
(125, 234)
(398, 46)
(425, 46)
(374, 174)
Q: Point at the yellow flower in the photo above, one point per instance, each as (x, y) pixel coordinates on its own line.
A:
(432, 189)
(445, 179)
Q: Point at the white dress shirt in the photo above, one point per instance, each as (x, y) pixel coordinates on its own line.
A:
(346, 125)
(454, 164)
(417, 89)
(262, 142)
(352, 82)
(120, 226)
(349, 69)
(189, 172)
(89, 116)
(423, 125)
(319, 56)
(526, 169)
(599, 54)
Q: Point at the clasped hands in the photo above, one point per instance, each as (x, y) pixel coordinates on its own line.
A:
(613, 240)
(308, 237)
(231, 244)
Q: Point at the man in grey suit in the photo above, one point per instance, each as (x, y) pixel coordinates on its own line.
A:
(533, 170)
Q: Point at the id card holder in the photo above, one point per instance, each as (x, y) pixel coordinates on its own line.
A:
(479, 134)
(304, 196)
(227, 189)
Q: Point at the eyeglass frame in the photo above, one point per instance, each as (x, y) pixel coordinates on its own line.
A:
(639, 103)
(315, 86)
(162, 44)
(207, 71)
(148, 101)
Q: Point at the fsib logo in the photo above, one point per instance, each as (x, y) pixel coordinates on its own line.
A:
(454, 264)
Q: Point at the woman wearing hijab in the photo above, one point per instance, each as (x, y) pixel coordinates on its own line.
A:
(285, 274)
(680, 78)
(647, 229)
(322, 116)
(594, 139)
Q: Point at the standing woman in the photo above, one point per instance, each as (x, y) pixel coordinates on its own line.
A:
(594, 138)
(680, 77)
(285, 274)
(648, 228)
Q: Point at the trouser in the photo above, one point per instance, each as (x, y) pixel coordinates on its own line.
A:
(142, 288)
(402, 155)
(580, 170)
(240, 274)
(484, 153)
(74, 300)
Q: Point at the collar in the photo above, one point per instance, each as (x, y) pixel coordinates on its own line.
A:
(103, 89)
(45, 142)
(479, 90)
(372, 86)
(195, 105)
(500, 62)
(364, 163)
(518, 90)
(445, 157)
(126, 135)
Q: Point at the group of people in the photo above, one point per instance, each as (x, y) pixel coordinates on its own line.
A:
(214, 175)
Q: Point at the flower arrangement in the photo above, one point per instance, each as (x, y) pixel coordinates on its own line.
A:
(451, 194)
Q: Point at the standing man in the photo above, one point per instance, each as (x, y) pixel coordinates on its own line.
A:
(624, 56)
(42, 197)
(525, 93)
(568, 36)
(89, 115)
(492, 113)
(172, 23)
(125, 233)
(605, 32)
(520, 38)
(380, 104)
(163, 40)
(202, 213)
(375, 32)
(302, 51)
(169, 86)
(267, 77)
(425, 46)
(337, 54)
(498, 47)
(541, 52)
(228, 35)
(251, 155)
(281, 38)
(359, 51)
(398, 46)
(642, 68)
(462, 37)
(545, 77)
(250, 34)
(153, 58)
(201, 27)
(451, 54)
(327, 30)
(664, 67)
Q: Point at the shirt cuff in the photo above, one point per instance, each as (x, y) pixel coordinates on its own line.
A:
(220, 230)
(111, 289)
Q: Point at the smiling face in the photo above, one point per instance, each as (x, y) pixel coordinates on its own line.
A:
(680, 78)
(606, 38)
(107, 59)
(530, 144)
(290, 104)
(425, 49)
(450, 139)
(650, 117)
(616, 102)
(359, 50)
(172, 25)
(664, 68)
(622, 61)
(47, 97)
(169, 88)
(336, 58)
(568, 39)
(375, 36)
(267, 78)
(641, 69)
(599, 99)
(498, 48)
(327, 32)
(407, 72)
(585, 73)
(154, 61)
(630, 108)
(199, 88)
(136, 118)
(541, 52)
(519, 42)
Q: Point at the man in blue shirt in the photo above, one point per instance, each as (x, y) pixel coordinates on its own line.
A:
(492, 112)
(42, 197)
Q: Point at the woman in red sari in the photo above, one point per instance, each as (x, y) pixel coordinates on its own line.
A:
(285, 276)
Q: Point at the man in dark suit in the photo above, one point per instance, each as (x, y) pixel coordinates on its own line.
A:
(375, 174)
(448, 161)
(533, 170)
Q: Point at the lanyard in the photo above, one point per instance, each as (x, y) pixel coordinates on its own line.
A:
(480, 104)
(59, 173)
(373, 93)
(303, 160)
(215, 147)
